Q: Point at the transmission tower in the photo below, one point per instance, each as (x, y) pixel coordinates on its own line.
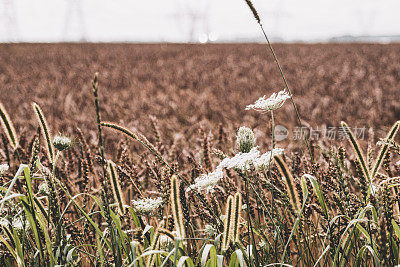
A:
(192, 18)
(366, 14)
(74, 20)
(9, 21)
(276, 14)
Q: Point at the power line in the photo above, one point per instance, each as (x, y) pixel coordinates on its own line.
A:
(192, 18)
(74, 15)
(10, 21)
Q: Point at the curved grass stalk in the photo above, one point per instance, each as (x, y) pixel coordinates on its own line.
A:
(357, 149)
(185, 261)
(12, 251)
(8, 127)
(297, 222)
(116, 187)
(385, 148)
(167, 233)
(95, 226)
(97, 201)
(137, 137)
(45, 130)
(257, 17)
(154, 246)
(289, 183)
(143, 140)
(14, 180)
(318, 193)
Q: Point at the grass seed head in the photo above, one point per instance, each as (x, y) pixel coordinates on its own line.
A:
(253, 10)
(8, 127)
(45, 131)
(229, 210)
(3, 168)
(245, 139)
(61, 142)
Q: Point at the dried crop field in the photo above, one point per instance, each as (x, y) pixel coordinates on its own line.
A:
(186, 86)
(179, 181)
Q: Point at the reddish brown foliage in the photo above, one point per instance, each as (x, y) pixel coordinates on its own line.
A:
(186, 86)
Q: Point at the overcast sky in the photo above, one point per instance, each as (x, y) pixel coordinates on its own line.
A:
(195, 20)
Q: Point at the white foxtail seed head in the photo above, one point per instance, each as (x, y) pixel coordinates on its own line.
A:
(210, 230)
(165, 241)
(18, 225)
(4, 222)
(245, 139)
(275, 101)
(44, 189)
(61, 142)
(3, 168)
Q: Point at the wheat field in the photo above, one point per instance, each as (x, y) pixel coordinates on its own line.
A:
(199, 155)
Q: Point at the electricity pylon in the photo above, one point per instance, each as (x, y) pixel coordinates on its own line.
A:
(9, 21)
(74, 15)
(192, 18)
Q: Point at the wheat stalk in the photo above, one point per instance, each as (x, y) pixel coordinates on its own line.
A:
(104, 180)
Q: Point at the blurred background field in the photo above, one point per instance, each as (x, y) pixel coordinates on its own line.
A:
(188, 87)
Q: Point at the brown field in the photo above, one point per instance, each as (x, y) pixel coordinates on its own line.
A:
(197, 95)
(189, 86)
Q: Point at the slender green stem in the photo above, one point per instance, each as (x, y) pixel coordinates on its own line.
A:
(278, 229)
(272, 131)
(58, 226)
(249, 218)
(104, 192)
(290, 93)
(159, 157)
